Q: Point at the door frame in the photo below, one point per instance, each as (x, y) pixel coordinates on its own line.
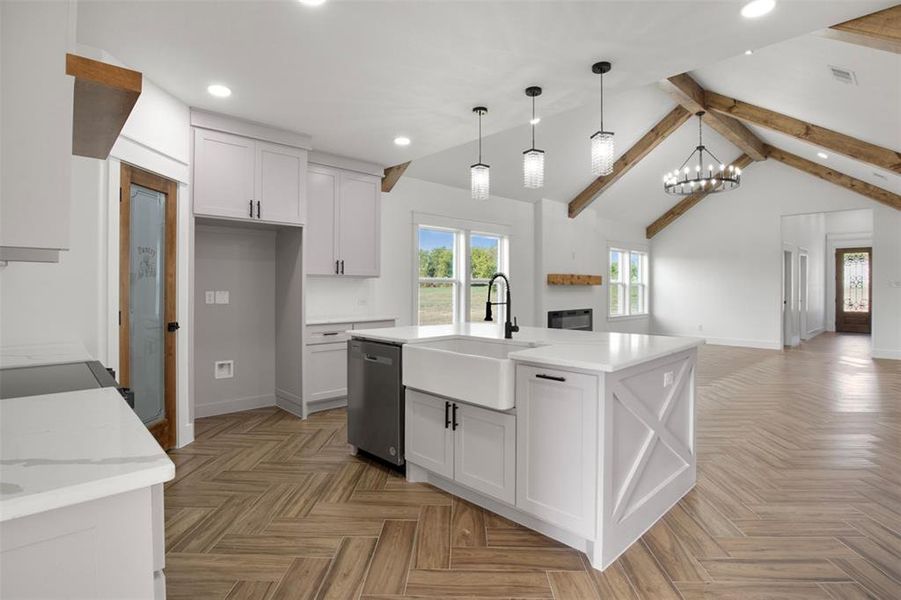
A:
(803, 293)
(839, 295)
(788, 295)
(163, 430)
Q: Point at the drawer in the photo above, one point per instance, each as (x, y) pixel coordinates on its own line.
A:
(373, 324)
(327, 334)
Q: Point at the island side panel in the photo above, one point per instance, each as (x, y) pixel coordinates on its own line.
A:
(648, 461)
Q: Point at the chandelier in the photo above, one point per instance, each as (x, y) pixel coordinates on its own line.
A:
(717, 177)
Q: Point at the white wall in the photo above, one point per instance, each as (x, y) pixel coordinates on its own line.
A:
(580, 246)
(240, 261)
(392, 293)
(717, 270)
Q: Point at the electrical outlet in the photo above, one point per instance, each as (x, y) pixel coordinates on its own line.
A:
(210, 297)
(668, 379)
(223, 369)
(362, 301)
(221, 296)
(700, 327)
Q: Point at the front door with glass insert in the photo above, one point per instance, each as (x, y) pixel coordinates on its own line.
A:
(147, 300)
(853, 286)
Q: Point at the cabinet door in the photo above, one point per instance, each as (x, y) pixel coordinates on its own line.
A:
(320, 244)
(223, 175)
(280, 182)
(556, 447)
(327, 367)
(428, 441)
(359, 216)
(485, 451)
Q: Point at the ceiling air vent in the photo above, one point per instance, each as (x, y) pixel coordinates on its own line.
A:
(843, 75)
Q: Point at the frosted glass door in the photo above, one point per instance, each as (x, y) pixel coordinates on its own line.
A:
(146, 311)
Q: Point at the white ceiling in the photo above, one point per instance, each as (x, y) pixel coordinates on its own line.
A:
(356, 74)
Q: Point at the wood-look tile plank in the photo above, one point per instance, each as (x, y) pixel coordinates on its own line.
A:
(785, 547)
(753, 569)
(646, 575)
(888, 561)
(286, 545)
(794, 528)
(236, 567)
(572, 585)
(433, 538)
(522, 537)
(345, 577)
(392, 558)
(302, 580)
(467, 525)
(251, 590)
(515, 559)
(694, 537)
(846, 591)
(613, 582)
(870, 578)
(750, 591)
(456, 584)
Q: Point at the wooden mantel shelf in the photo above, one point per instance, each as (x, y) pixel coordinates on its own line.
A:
(572, 279)
(104, 97)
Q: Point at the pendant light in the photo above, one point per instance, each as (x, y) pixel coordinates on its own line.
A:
(533, 158)
(479, 177)
(602, 149)
(717, 177)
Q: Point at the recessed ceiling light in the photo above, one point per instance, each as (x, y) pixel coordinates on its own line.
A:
(219, 90)
(402, 141)
(822, 155)
(757, 8)
(749, 52)
(312, 2)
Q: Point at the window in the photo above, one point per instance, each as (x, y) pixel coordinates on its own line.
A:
(628, 283)
(449, 289)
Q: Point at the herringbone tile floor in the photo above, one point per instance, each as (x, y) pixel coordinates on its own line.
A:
(798, 496)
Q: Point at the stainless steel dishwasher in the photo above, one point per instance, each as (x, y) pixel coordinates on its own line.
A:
(375, 399)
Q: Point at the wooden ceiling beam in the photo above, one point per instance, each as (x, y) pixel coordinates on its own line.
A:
(393, 175)
(659, 132)
(871, 154)
(831, 175)
(687, 92)
(880, 30)
(684, 205)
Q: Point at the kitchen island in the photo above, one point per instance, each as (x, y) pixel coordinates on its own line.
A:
(586, 437)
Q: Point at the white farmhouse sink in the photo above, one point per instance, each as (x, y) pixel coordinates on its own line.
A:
(468, 369)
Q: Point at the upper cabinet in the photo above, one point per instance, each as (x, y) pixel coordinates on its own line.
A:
(36, 99)
(343, 223)
(247, 171)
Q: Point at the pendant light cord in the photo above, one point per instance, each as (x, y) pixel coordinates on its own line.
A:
(602, 101)
(480, 137)
(533, 122)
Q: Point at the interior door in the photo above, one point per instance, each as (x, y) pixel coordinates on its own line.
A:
(147, 297)
(853, 289)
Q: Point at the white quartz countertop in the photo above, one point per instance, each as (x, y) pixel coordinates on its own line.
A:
(34, 355)
(348, 319)
(587, 350)
(61, 449)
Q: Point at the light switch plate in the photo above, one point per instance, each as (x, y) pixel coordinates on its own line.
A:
(668, 379)
(224, 369)
(210, 296)
(221, 296)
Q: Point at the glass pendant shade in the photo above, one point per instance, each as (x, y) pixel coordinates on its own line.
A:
(602, 153)
(533, 168)
(479, 181)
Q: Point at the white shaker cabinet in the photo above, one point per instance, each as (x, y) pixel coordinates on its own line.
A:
(556, 447)
(343, 223)
(429, 440)
(474, 446)
(237, 177)
(223, 174)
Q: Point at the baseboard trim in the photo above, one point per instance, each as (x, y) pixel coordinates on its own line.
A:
(325, 404)
(813, 333)
(224, 407)
(761, 344)
(889, 354)
(289, 402)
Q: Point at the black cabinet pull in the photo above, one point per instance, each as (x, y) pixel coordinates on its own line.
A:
(251, 209)
(337, 262)
(455, 424)
(551, 377)
(330, 333)
(258, 209)
(447, 420)
(342, 266)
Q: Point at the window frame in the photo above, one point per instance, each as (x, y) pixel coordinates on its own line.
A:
(462, 281)
(626, 251)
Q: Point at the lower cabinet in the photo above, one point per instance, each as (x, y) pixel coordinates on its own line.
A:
(556, 447)
(327, 365)
(474, 446)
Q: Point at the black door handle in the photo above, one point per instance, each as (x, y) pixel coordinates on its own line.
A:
(173, 326)
(447, 415)
(258, 209)
(455, 424)
(251, 209)
(551, 377)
